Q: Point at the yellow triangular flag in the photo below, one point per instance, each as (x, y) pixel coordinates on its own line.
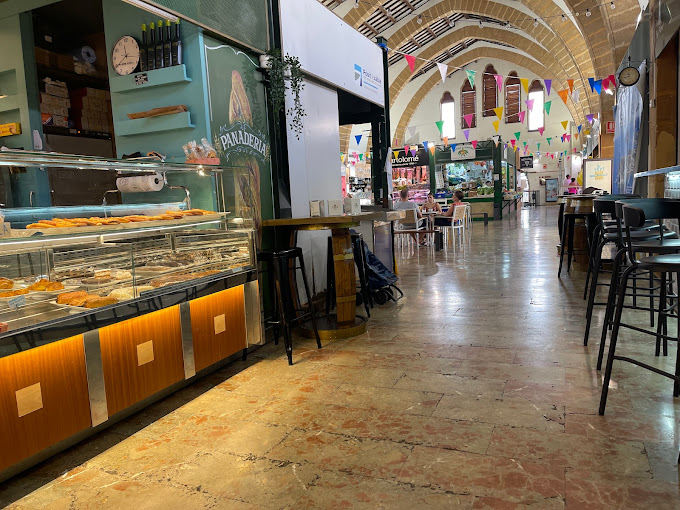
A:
(499, 112)
(564, 124)
(525, 84)
(495, 124)
(342, 158)
(396, 154)
(587, 131)
(432, 148)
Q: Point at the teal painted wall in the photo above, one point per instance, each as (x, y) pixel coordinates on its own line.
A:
(20, 83)
(123, 19)
(12, 7)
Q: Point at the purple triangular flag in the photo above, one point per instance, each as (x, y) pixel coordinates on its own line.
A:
(548, 84)
(466, 132)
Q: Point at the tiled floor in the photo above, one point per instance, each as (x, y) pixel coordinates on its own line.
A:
(474, 391)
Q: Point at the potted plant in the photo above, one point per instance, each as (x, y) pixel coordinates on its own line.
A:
(281, 69)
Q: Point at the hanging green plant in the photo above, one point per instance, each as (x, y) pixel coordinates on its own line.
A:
(281, 69)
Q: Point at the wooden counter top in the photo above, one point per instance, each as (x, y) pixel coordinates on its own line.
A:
(321, 222)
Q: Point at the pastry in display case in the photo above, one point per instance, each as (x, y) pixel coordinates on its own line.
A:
(115, 292)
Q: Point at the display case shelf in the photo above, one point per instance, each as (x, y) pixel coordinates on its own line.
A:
(157, 78)
(154, 124)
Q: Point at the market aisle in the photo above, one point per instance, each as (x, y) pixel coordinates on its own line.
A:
(474, 391)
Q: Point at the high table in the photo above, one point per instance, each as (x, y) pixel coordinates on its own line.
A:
(344, 323)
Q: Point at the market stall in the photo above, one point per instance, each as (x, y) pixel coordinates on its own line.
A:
(411, 171)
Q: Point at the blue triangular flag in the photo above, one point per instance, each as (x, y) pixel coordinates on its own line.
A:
(358, 138)
(579, 128)
(453, 147)
(597, 85)
(591, 81)
(425, 145)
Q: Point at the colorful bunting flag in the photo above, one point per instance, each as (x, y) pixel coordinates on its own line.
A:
(453, 147)
(612, 80)
(563, 94)
(440, 126)
(411, 131)
(432, 148)
(591, 82)
(548, 140)
(396, 154)
(468, 119)
(474, 143)
(446, 140)
(540, 130)
(471, 77)
(411, 60)
(567, 138)
(342, 158)
(564, 123)
(575, 95)
(496, 123)
(579, 127)
(590, 117)
(425, 145)
(443, 70)
(499, 112)
(575, 136)
(538, 147)
(358, 138)
(496, 139)
(466, 132)
(413, 151)
(548, 84)
(571, 85)
(530, 104)
(513, 142)
(525, 84)
(525, 144)
(361, 157)
(517, 135)
(521, 116)
(597, 85)
(547, 105)
(499, 82)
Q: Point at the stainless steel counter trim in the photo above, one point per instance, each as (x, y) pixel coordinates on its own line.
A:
(95, 378)
(187, 340)
(251, 297)
(659, 171)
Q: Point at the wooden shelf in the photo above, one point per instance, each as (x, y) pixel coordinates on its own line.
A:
(64, 131)
(154, 124)
(72, 79)
(156, 78)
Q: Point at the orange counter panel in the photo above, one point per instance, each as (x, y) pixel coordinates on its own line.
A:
(140, 357)
(48, 385)
(218, 326)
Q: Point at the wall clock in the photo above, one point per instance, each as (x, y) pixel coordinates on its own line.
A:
(125, 55)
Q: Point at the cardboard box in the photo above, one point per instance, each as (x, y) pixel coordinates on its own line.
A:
(335, 208)
(44, 57)
(53, 110)
(352, 206)
(317, 208)
(56, 90)
(60, 120)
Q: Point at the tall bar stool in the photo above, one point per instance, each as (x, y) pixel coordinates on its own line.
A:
(636, 243)
(568, 227)
(667, 264)
(282, 265)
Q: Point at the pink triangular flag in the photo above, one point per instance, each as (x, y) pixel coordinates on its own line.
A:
(499, 82)
(443, 70)
(612, 80)
(513, 141)
(474, 143)
(567, 137)
(521, 116)
(466, 132)
(540, 130)
(468, 120)
(411, 61)
(530, 104)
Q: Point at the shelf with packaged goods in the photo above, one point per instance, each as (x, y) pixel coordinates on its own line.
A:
(155, 78)
(157, 124)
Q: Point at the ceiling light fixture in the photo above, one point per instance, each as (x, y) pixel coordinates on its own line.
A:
(153, 10)
(577, 14)
(452, 23)
(564, 18)
(612, 5)
(535, 22)
(356, 4)
(481, 25)
(588, 13)
(420, 20)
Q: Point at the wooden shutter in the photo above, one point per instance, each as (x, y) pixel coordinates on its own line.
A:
(467, 104)
(513, 96)
(490, 94)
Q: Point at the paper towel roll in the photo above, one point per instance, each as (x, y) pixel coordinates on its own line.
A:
(140, 183)
(85, 54)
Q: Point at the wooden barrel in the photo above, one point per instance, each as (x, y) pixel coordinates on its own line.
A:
(345, 277)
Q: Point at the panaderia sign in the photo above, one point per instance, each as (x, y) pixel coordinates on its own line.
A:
(421, 158)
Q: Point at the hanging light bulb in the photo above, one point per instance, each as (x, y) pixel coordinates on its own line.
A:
(535, 22)
(420, 20)
(612, 5)
(564, 18)
(356, 4)
(481, 25)
(452, 23)
(588, 13)
(577, 14)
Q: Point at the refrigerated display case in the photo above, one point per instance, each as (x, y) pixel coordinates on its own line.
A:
(104, 308)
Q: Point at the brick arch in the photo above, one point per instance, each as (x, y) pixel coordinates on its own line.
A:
(479, 53)
(565, 43)
(514, 39)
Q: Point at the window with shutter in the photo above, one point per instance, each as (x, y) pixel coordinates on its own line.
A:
(513, 97)
(468, 104)
(490, 97)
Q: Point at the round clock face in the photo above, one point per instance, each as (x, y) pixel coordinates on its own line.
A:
(125, 55)
(629, 76)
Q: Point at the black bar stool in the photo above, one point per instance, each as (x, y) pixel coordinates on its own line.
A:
(568, 226)
(635, 243)
(664, 264)
(282, 266)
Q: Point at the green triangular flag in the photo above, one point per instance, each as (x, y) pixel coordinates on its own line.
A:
(361, 157)
(548, 140)
(538, 146)
(440, 126)
(547, 107)
(525, 144)
(471, 77)
(517, 135)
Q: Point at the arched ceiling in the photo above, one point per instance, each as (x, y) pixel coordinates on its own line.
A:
(573, 46)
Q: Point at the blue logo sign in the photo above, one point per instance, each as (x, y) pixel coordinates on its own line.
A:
(358, 74)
